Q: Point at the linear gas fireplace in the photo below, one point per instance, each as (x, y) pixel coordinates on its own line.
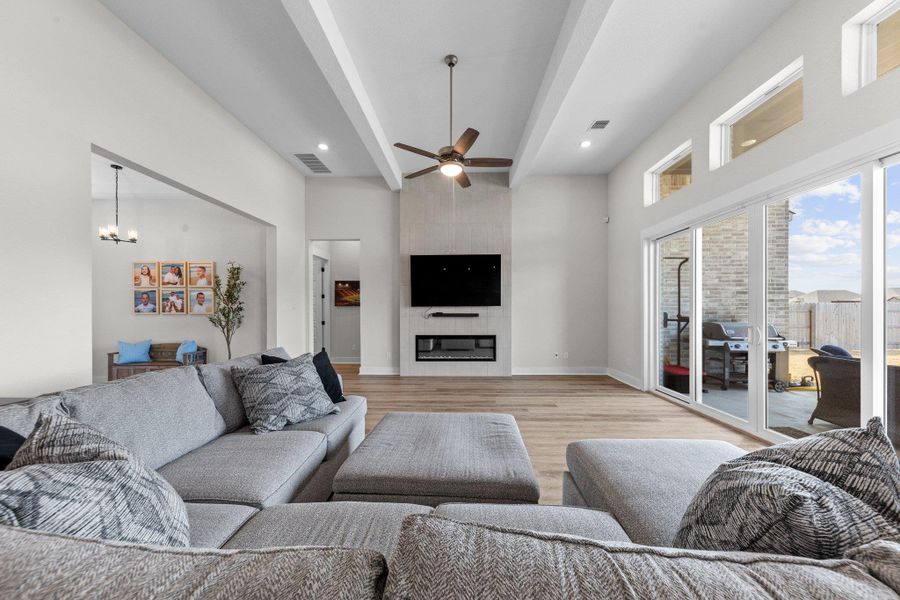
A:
(456, 347)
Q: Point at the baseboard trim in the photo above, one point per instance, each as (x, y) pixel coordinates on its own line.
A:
(379, 370)
(626, 379)
(345, 360)
(559, 371)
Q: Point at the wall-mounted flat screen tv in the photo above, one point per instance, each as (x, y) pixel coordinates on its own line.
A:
(455, 279)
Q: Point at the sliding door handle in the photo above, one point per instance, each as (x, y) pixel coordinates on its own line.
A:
(759, 336)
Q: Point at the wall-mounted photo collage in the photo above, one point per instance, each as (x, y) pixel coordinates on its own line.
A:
(173, 287)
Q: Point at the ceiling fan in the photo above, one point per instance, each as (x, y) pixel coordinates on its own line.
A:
(452, 159)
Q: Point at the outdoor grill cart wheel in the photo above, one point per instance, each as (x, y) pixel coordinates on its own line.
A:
(779, 386)
(723, 387)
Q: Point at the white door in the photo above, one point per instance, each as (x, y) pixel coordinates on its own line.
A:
(319, 302)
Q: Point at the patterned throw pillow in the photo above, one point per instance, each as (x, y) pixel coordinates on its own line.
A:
(282, 394)
(69, 478)
(819, 496)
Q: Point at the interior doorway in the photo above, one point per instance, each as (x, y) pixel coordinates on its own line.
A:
(336, 299)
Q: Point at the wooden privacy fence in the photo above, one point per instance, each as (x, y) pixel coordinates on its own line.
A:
(814, 325)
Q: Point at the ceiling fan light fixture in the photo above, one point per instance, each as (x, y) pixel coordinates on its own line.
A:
(451, 168)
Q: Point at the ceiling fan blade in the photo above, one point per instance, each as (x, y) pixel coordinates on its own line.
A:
(423, 172)
(488, 162)
(415, 150)
(465, 141)
(463, 180)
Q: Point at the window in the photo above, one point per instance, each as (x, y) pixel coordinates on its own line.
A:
(669, 175)
(887, 43)
(870, 44)
(766, 112)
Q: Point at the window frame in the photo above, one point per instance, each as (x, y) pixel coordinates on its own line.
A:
(652, 175)
(860, 44)
(720, 129)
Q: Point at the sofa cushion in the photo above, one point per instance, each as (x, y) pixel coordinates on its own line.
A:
(244, 468)
(437, 558)
(217, 379)
(281, 394)
(40, 565)
(646, 484)
(160, 415)
(581, 522)
(764, 507)
(21, 416)
(371, 525)
(882, 558)
(336, 427)
(213, 524)
(69, 478)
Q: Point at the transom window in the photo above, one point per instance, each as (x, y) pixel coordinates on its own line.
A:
(671, 174)
(767, 111)
(871, 44)
(887, 43)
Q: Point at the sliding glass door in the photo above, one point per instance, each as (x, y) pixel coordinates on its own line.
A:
(813, 305)
(772, 318)
(725, 306)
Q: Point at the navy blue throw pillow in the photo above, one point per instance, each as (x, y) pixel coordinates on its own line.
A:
(10, 442)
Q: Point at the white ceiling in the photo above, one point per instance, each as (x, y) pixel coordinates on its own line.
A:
(650, 57)
(361, 75)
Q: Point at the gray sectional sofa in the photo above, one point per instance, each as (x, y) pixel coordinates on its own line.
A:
(247, 496)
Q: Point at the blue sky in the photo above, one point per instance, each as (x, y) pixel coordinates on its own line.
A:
(825, 235)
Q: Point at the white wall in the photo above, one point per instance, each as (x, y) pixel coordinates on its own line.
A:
(811, 28)
(559, 270)
(184, 229)
(74, 75)
(364, 209)
(345, 323)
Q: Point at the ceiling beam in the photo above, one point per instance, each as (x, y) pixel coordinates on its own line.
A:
(576, 36)
(318, 28)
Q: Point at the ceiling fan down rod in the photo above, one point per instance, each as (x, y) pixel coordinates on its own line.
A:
(451, 61)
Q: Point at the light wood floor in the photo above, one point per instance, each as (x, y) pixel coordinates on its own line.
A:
(551, 412)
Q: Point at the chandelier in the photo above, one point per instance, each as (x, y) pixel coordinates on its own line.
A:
(110, 233)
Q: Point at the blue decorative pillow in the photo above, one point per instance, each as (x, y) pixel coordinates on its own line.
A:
(186, 346)
(133, 353)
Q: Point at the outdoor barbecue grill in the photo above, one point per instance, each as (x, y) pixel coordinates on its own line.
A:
(728, 344)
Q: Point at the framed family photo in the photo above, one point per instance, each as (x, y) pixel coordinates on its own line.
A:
(145, 274)
(201, 302)
(172, 273)
(201, 273)
(145, 302)
(174, 301)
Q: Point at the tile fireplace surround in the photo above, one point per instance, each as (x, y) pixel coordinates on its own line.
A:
(439, 217)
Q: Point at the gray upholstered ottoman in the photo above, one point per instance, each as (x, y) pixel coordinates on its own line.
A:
(432, 458)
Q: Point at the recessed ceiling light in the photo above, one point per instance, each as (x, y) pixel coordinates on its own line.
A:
(586, 144)
(748, 143)
(323, 146)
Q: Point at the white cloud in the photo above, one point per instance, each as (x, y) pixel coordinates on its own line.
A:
(839, 189)
(818, 244)
(839, 228)
(893, 216)
(813, 258)
(892, 240)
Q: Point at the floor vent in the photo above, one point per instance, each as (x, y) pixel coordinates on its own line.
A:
(313, 163)
(599, 124)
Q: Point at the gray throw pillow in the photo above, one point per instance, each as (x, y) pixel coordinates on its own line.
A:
(440, 559)
(819, 496)
(69, 478)
(282, 394)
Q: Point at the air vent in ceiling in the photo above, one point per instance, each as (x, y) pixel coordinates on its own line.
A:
(599, 124)
(313, 163)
